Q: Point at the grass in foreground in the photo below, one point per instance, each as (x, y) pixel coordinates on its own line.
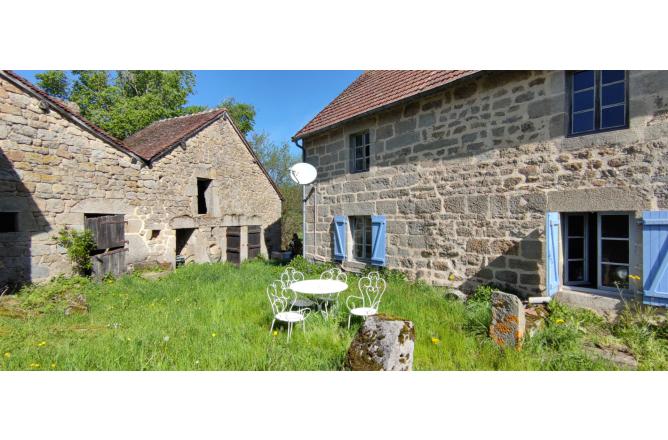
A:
(217, 317)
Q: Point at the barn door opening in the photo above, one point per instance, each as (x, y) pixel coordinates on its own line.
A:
(182, 250)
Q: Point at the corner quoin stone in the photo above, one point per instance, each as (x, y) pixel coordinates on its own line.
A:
(508, 321)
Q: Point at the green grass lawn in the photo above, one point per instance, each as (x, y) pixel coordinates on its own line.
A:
(217, 317)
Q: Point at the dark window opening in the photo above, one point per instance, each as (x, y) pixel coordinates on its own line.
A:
(9, 222)
(155, 233)
(182, 238)
(598, 101)
(360, 152)
(203, 189)
(360, 227)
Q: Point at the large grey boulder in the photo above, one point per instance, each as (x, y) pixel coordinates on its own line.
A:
(508, 320)
(383, 343)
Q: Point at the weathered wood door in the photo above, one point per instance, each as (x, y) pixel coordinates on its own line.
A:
(234, 244)
(109, 235)
(108, 230)
(254, 237)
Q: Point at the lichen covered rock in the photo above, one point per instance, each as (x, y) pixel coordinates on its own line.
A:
(508, 320)
(383, 343)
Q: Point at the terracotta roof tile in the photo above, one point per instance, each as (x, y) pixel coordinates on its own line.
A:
(153, 140)
(375, 89)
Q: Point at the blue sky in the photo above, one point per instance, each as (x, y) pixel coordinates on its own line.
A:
(285, 100)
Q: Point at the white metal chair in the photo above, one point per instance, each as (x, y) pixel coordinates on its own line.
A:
(371, 289)
(280, 307)
(289, 276)
(329, 302)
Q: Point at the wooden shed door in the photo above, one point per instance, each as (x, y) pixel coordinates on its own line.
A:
(109, 235)
(108, 230)
(234, 244)
(254, 236)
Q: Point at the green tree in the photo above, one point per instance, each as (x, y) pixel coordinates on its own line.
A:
(123, 102)
(277, 160)
(54, 82)
(242, 114)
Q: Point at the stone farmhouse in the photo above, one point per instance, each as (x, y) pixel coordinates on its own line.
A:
(536, 181)
(189, 186)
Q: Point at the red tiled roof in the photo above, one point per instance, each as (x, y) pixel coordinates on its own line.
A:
(376, 89)
(153, 140)
(63, 109)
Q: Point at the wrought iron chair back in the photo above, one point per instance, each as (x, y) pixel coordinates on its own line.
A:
(334, 274)
(291, 275)
(371, 290)
(280, 302)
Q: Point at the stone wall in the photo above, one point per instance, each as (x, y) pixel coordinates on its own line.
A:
(464, 176)
(52, 172)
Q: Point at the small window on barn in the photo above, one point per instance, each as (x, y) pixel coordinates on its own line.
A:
(598, 101)
(360, 228)
(155, 233)
(9, 222)
(360, 152)
(203, 196)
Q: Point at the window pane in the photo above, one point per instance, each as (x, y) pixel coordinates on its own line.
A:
(611, 273)
(613, 94)
(575, 225)
(583, 122)
(613, 117)
(615, 226)
(366, 164)
(583, 80)
(576, 271)
(366, 138)
(359, 165)
(583, 100)
(358, 140)
(615, 251)
(358, 153)
(608, 76)
(366, 151)
(576, 248)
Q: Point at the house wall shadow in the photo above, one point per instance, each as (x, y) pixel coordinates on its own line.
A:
(16, 248)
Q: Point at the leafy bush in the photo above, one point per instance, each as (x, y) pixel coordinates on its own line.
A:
(307, 268)
(79, 245)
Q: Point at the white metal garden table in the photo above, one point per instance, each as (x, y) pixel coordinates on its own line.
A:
(323, 289)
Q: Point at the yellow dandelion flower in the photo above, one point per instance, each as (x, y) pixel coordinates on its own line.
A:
(275, 333)
(8, 354)
(451, 277)
(34, 365)
(559, 321)
(435, 341)
(213, 335)
(53, 365)
(41, 344)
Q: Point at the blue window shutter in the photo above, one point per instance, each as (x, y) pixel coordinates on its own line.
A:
(655, 258)
(552, 224)
(340, 222)
(378, 228)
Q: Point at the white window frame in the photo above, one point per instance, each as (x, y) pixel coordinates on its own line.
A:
(585, 254)
(599, 247)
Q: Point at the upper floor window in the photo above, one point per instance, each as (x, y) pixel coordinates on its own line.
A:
(598, 101)
(203, 195)
(360, 152)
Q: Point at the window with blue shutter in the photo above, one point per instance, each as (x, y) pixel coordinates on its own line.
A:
(598, 101)
(655, 258)
(340, 223)
(378, 232)
(552, 223)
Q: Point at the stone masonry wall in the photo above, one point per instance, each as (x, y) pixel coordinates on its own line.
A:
(464, 176)
(52, 172)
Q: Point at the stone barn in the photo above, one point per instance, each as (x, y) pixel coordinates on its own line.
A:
(189, 186)
(540, 182)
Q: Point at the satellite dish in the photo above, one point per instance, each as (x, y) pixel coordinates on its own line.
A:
(303, 173)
